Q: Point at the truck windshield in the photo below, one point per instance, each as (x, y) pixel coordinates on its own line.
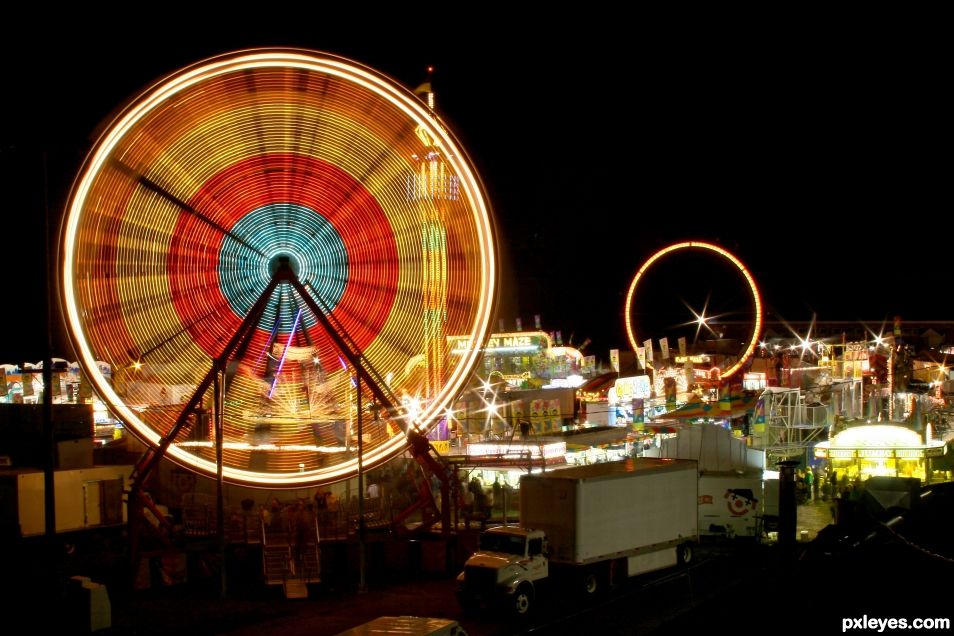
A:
(509, 544)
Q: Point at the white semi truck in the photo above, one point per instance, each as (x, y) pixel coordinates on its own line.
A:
(592, 525)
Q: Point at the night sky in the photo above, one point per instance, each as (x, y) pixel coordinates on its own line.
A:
(817, 160)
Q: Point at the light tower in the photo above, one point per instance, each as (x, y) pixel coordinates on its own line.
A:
(431, 186)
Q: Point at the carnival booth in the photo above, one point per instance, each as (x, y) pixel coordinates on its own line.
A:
(889, 450)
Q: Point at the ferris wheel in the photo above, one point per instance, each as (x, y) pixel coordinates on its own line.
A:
(260, 240)
(710, 248)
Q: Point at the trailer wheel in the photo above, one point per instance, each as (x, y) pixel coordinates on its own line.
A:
(684, 553)
(522, 599)
(591, 583)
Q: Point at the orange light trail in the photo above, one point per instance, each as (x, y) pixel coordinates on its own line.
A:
(756, 297)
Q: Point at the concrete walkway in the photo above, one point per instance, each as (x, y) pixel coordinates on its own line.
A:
(812, 517)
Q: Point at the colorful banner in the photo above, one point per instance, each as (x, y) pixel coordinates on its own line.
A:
(537, 415)
(648, 345)
(759, 426)
(641, 355)
(682, 346)
(664, 347)
(671, 388)
(639, 416)
(614, 359)
(519, 324)
(725, 398)
(589, 363)
(536, 322)
(554, 416)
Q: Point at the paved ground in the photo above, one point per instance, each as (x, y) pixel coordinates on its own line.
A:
(812, 517)
(654, 603)
(645, 605)
(738, 587)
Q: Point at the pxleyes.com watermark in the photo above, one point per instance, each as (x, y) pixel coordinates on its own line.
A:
(872, 623)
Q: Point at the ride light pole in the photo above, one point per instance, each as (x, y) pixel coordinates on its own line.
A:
(362, 585)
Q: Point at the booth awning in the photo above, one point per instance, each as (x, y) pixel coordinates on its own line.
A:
(736, 406)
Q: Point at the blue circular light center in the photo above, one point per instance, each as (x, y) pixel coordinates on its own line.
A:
(250, 253)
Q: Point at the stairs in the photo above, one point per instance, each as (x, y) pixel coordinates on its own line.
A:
(291, 561)
(310, 571)
(295, 588)
(275, 563)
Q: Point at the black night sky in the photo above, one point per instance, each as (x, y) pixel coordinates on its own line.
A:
(817, 160)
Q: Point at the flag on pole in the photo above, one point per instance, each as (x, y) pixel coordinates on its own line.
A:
(664, 347)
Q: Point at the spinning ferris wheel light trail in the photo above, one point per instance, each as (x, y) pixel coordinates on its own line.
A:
(281, 362)
(252, 216)
(752, 342)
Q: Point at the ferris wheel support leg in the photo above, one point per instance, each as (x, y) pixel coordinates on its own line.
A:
(423, 453)
(352, 352)
(150, 459)
(245, 330)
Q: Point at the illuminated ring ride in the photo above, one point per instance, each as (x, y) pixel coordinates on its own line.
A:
(297, 171)
(756, 298)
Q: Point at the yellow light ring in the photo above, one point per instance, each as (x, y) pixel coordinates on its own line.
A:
(199, 123)
(753, 288)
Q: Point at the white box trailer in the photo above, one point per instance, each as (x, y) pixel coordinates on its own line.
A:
(730, 503)
(601, 511)
(592, 523)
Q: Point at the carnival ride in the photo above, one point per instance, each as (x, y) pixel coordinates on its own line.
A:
(756, 298)
(269, 248)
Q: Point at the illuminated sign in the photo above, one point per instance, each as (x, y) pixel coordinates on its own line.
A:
(753, 381)
(531, 341)
(824, 452)
(516, 379)
(626, 389)
(692, 359)
(532, 451)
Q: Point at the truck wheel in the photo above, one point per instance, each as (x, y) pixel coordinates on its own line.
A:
(591, 583)
(522, 599)
(684, 553)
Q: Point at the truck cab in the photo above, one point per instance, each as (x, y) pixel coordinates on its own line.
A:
(506, 570)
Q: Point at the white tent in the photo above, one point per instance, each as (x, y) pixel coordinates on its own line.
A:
(713, 447)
